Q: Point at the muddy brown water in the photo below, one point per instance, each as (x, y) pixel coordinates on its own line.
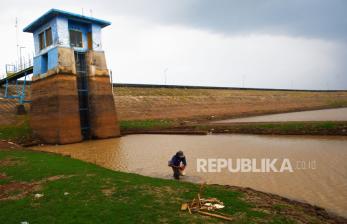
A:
(324, 184)
(339, 114)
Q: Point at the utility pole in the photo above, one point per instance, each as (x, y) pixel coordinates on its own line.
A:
(17, 44)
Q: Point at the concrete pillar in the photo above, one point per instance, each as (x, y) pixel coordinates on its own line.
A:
(54, 113)
(103, 115)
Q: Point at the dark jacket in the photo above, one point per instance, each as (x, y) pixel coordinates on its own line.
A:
(176, 160)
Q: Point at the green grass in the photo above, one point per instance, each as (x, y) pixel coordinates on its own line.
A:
(133, 199)
(145, 124)
(17, 132)
(296, 127)
(338, 103)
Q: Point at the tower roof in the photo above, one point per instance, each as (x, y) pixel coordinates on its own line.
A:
(57, 12)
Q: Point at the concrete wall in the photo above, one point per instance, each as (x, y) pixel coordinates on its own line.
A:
(60, 60)
(96, 36)
(54, 114)
(56, 57)
(62, 32)
(37, 66)
(53, 58)
(103, 115)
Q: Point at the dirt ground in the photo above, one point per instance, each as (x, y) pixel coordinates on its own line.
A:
(8, 145)
(7, 111)
(135, 103)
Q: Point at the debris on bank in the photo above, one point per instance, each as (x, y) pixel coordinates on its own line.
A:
(205, 206)
(38, 195)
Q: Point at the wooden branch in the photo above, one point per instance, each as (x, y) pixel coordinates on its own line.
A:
(215, 215)
(199, 200)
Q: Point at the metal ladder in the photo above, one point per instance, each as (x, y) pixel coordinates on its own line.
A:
(83, 95)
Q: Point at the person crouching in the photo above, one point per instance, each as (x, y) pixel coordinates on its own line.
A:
(178, 163)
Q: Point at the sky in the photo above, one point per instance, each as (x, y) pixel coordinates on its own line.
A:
(291, 44)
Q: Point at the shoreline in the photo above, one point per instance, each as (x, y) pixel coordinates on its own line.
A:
(295, 128)
(313, 209)
(323, 128)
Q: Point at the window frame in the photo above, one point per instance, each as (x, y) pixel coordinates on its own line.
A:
(49, 30)
(81, 34)
(42, 44)
(43, 38)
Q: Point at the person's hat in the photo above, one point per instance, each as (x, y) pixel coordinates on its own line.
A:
(180, 154)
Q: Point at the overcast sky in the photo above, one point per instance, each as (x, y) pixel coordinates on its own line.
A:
(300, 44)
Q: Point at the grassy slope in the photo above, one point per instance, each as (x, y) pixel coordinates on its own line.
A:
(18, 132)
(145, 124)
(130, 198)
(21, 132)
(291, 128)
(134, 103)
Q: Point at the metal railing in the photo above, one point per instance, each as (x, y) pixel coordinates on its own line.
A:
(13, 73)
(14, 68)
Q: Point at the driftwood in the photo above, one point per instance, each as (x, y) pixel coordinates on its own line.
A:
(205, 206)
(190, 212)
(216, 215)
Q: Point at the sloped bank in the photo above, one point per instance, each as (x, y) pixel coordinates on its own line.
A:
(205, 127)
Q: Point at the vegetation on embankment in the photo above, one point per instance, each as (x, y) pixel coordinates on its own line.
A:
(145, 124)
(279, 128)
(19, 131)
(272, 128)
(72, 191)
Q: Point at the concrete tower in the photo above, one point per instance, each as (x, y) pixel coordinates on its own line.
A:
(71, 92)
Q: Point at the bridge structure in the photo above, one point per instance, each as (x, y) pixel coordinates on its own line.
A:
(12, 78)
